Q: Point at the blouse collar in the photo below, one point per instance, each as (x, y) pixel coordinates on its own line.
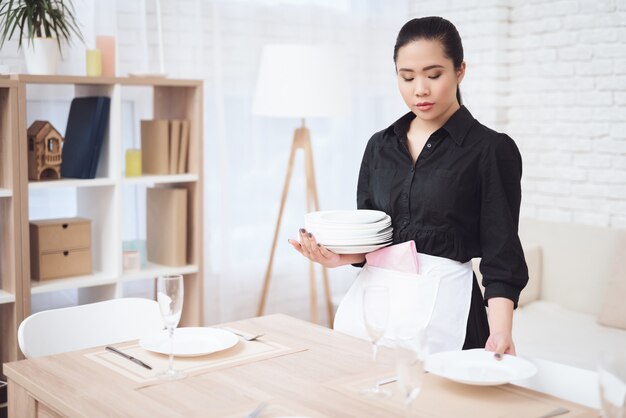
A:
(457, 126)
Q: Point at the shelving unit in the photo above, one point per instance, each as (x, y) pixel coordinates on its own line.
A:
(102, 199)
(11, 297)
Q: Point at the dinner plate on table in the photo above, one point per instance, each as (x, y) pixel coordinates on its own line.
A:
(190, 341)
(479, 367)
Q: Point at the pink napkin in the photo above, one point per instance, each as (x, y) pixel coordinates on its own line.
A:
(399, 257)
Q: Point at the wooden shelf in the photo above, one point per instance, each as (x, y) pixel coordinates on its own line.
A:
(100, 278)
(154, 270)
(6, 297)
(37, 185)
(6, 193)
(87, 80)
(162, 179)
(77, 282)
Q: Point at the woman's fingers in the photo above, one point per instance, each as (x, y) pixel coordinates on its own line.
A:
(315, 248)
(305, 240)
(295, 244)
(310, 246)
(324, 252)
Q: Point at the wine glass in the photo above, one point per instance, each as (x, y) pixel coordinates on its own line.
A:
(612, 379)
(375, 317)
(170, 296)
(410, 354)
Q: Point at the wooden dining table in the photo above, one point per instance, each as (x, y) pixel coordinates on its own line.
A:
(295, 369)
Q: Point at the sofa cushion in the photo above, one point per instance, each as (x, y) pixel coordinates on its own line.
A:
(548, 331)
(531, 292)
(613, 310)
(576, 261)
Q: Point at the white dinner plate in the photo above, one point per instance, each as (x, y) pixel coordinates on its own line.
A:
(356, 249)
(325, 233)
(190, 341)
(356, 228)
(359, 216)
(342, 242)
(479, 367)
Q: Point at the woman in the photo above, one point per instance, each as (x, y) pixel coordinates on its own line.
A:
(448, 182)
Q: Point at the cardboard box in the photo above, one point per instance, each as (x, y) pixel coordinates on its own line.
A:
(59, 234)
(57, 264)
(60, 248)
(166, 230)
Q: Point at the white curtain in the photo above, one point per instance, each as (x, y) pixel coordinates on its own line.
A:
(246, 156)
(220, 41)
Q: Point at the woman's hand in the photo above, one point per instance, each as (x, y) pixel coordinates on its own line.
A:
(500, 325)
(310, 248)
(500, 343)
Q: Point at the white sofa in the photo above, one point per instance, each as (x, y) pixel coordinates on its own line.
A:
(576, 276)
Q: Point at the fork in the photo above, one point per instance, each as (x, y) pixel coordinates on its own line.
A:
(555, 412)
(256, 413)
(245, 336)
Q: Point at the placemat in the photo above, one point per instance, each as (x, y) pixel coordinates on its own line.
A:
(242, 352)
(442, 398)
(276, 408)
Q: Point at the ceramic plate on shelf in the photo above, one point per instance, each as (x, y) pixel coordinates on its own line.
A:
(190, 341)
(479, 367)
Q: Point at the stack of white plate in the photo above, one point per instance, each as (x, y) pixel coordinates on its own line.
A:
(350, 231)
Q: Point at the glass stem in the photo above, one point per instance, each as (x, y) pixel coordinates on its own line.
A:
(374, 350)
(171, 366)
(407, 405)
(374, 356)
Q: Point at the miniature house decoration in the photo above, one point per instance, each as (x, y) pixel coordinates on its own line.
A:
(44, 151)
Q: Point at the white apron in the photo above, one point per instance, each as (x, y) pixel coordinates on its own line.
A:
(437, 299)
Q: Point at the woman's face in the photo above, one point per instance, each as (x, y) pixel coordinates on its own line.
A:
(427, 80)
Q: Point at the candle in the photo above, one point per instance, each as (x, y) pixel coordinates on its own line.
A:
(133, 162)
(94, 62)
(106, 44)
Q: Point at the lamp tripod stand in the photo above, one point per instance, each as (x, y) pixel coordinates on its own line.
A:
(301, 140)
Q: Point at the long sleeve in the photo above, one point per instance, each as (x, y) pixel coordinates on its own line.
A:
(503, 265)
(363, 200)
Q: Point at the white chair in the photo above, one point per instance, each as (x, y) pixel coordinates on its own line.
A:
(78, 327)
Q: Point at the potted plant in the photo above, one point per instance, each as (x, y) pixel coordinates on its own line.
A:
(44, 24)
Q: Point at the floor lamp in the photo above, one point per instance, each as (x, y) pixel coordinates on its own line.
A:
(301, 81)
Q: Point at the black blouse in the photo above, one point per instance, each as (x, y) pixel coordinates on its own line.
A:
(460, 200)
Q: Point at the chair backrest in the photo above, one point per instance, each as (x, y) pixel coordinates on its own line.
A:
(78, 327)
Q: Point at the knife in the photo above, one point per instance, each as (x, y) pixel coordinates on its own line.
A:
(131, 358)
(387, 380)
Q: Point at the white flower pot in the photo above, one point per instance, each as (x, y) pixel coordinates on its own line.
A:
(42, 56)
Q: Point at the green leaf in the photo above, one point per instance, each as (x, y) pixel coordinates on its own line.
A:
(32, 18)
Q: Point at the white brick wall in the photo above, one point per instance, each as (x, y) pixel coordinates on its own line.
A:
(563, 99)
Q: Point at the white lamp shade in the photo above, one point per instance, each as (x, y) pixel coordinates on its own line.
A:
(302, 81)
